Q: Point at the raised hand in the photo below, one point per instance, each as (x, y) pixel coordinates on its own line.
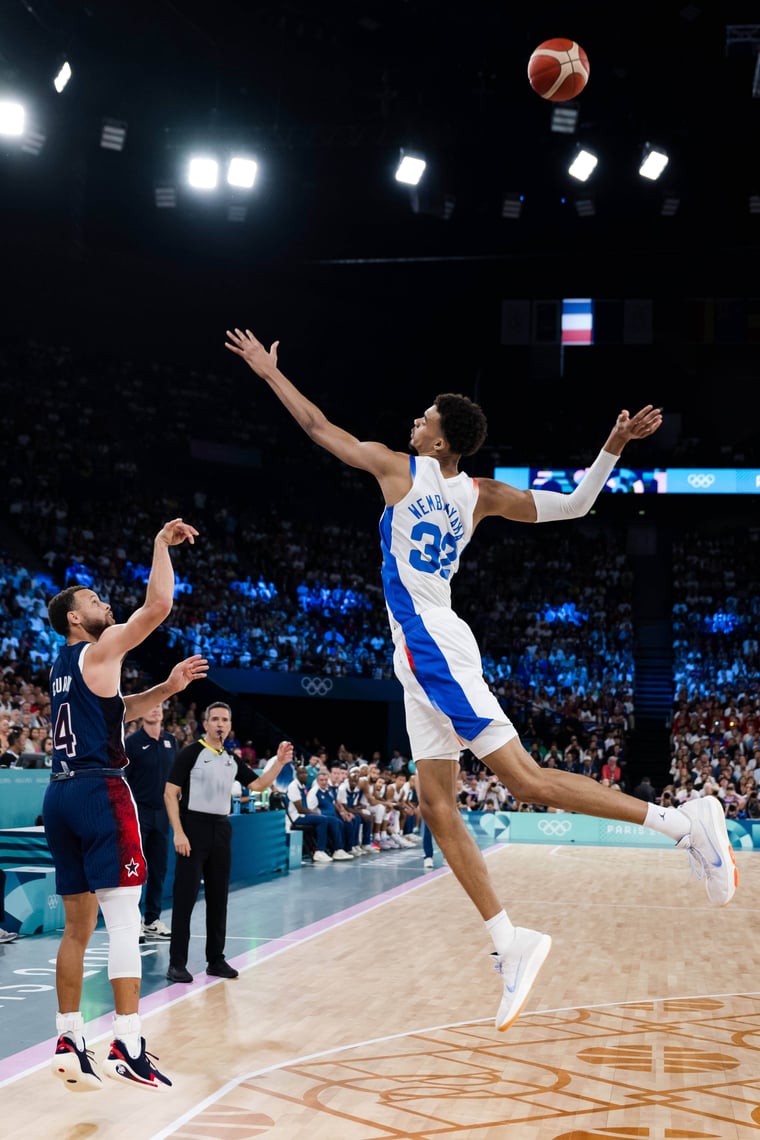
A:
(193, 668)
(644, 423)
(175, 532)
(252, 351)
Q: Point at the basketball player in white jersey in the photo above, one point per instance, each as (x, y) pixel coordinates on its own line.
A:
(431, 511)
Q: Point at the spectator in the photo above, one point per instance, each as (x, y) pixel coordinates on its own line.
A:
(353, 799)
(319, 801)
(645, 791)
(16, 745)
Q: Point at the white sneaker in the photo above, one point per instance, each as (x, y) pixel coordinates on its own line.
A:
(427, 864)
(357, 850)
(709, 848)
(157, 929)
(321, 857)
(8, 935)
(368, 849)
(340, 856)
(519, 968)
(403, 841)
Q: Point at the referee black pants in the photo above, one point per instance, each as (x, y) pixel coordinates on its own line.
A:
(210, 859)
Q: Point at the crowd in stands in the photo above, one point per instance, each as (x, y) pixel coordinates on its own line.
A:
(715, 737)
(269, 587)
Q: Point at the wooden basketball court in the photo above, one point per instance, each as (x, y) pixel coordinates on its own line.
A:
(644, 1023)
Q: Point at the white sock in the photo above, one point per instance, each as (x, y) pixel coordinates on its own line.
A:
(501, 930)
(668, 821)
(126, 1026)
(73, 1025)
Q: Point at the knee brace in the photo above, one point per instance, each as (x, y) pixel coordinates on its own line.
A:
(121, 913)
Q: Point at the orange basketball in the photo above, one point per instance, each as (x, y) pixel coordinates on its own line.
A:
(558, 70)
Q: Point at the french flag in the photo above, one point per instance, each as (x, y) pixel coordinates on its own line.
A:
(577, 320)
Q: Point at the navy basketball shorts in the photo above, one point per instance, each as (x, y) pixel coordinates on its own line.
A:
(93, 833)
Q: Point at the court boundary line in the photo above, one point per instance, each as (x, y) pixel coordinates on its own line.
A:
(208, 1101)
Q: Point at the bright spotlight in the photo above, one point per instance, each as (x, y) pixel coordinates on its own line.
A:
(242, 172)
(203, 173)
(583, 165)
(63, 76)
(653, 163)
(410, 170)
(11, 118)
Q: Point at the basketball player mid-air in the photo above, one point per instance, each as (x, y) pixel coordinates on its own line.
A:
(431, 511)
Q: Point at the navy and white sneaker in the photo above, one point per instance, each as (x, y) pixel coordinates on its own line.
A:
(137, 1071)
(74, 1066)
(709, 848)
(518, 969)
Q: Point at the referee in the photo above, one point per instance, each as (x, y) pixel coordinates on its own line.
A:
(198, 795)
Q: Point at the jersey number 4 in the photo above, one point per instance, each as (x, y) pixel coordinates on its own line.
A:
(63, 734)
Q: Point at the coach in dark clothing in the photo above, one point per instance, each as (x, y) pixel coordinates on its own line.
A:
(151, 753)
(198, 796)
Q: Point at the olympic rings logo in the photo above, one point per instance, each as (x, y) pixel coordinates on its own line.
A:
(700, 482)
(316, 686)
(555, 826)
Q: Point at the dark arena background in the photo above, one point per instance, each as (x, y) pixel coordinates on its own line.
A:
(552, 302)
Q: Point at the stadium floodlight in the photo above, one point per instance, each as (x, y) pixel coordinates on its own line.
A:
(12, 117)
(203, 173)
(63, 76)
(653, 162)
(410, 169)
(241, 172)
(583, 165)
(113, 134)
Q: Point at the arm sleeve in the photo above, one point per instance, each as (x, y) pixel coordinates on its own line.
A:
(553, 506)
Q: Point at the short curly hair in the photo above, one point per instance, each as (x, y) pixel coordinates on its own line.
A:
(463, 422)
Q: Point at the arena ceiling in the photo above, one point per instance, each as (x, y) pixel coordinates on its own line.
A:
(324, 93)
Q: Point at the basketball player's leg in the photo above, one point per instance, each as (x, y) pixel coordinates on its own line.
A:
(698, 826)
(519, 953)
(81, 913)
(436, 787)
(551, 787)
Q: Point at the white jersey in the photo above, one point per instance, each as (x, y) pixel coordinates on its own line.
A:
(422, 538)
(447, 702)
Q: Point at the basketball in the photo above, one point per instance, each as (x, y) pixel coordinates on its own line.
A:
(558, 70)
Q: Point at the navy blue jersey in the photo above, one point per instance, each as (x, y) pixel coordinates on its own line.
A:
(88, 730)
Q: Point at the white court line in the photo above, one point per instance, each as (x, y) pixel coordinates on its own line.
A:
(370, 1041)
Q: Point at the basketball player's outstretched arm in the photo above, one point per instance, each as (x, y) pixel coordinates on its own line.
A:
(388, 467)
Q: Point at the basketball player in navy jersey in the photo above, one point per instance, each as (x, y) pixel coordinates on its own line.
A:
(431, 511)
(90, 817)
